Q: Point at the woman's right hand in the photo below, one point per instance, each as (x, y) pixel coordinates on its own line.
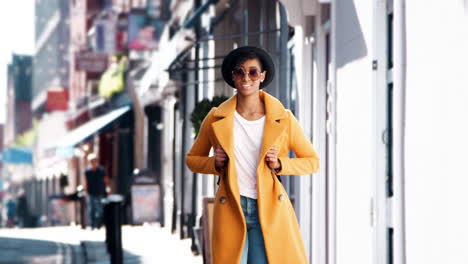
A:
(221, 158)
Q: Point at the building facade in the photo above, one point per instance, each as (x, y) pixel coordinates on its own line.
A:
(19, 118)
(354, 75)
(376, 100)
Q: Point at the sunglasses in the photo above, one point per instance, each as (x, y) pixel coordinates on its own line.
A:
(239, 73)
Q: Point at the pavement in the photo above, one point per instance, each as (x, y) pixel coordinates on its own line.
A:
(145, 244)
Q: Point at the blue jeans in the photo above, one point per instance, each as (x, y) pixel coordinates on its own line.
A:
(254, 247)
(95, 210)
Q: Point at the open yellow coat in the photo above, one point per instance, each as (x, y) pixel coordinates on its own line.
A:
(283, 241)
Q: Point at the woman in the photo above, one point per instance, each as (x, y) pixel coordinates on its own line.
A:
(252, 133)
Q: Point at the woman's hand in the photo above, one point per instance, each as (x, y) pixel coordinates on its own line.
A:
(221, 158)
(272, 158)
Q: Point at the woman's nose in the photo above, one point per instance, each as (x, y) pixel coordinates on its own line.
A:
(246, 77)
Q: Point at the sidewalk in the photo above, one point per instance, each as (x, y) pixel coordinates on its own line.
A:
(70, 244)
(142, 244)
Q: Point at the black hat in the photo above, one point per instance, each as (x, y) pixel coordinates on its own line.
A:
(265, 59)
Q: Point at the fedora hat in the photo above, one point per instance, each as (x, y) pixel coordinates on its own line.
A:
(265, 60)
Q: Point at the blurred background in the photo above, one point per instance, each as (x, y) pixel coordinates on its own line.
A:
(380, 87)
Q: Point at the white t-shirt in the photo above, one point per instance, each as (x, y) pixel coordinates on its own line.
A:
(247, 145)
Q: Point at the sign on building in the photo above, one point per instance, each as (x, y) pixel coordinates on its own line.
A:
(91, 62)
(57, 99)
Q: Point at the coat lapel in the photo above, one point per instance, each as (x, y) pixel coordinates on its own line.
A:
(274, 125)
(224, 128)
(273, 129)
(223, 132)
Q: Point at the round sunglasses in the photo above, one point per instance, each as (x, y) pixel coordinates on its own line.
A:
(239, 73)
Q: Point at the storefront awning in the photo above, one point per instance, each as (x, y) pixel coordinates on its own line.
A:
(85, 131)
(16, 155)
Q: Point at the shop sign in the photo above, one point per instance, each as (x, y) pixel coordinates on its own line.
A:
(57, 99)
(91, 62)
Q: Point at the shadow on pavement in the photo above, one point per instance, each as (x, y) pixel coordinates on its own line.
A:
(32, 251)
(21, 250)
(95, 252)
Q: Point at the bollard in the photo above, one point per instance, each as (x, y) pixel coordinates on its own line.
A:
(113, 222)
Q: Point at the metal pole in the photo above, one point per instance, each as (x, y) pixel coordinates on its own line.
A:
(245, 38)
(262, 22)
(175, 176)
(283, 67)
(195, 175)
(113, 222)
(399, 43)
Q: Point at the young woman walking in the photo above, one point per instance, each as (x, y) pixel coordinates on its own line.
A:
(252, 133)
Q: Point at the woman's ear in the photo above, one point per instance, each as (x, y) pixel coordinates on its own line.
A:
(263, 76)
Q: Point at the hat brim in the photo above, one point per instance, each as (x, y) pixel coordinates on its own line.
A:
(265, 58)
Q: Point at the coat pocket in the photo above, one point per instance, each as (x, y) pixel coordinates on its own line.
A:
(280, 192)
(273, 173)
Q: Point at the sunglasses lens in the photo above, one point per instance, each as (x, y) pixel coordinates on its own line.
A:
(238, 73)
(254, 74)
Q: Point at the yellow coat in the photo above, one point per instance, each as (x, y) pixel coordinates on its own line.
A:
(283, 241)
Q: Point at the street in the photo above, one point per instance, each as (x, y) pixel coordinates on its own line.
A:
(72, 245)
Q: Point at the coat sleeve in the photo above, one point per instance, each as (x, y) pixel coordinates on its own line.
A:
(306, 160)
(197, 159)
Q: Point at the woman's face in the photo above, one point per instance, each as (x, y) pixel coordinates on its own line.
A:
(248, 77)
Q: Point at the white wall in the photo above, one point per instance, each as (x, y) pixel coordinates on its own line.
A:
(49, 129)
(354, 104)
(437, 132)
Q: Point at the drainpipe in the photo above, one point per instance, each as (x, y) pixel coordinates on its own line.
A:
(399, 71)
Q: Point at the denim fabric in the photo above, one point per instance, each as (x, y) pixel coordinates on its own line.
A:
(95, 210)
(254, 247)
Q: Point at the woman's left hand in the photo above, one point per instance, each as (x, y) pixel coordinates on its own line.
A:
(272, 158)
